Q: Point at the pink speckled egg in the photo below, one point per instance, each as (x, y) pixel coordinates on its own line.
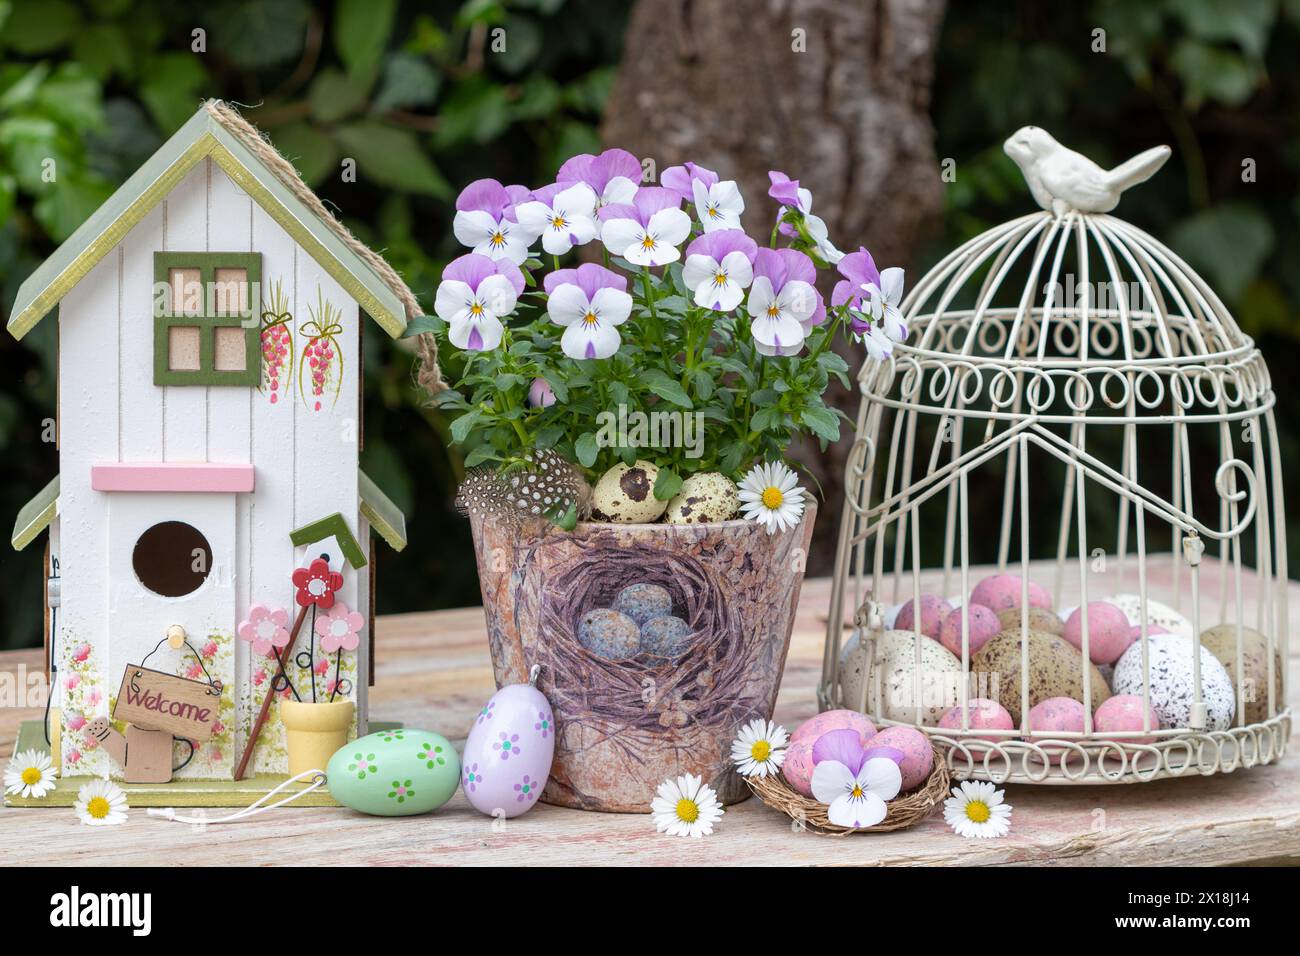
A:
(1124, 712)
(933, 612)
(984, 715)
(798, 766)
(814, 727)
(1000, 591)
(1151, 629)
(1109, 632)
(1063, 714)
(984, 624)
(918, 754)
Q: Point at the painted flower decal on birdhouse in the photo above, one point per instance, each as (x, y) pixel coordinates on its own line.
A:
(265, 628)
(277, 343)
(320, 366)
(338, 628)
(316, 584)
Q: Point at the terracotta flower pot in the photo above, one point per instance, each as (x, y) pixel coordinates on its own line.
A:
(623, 727)
(313, 732)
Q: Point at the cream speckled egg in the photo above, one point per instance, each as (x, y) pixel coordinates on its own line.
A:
(625, 494)
(1040, 619)
(1055, 670)
(707, 496)
(1222, 643)
(1172, 685)
(895, 659)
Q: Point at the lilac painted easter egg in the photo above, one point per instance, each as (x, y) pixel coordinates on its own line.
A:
(918, 754)
(1109, 631)
(798, 766)
(984, 624)
(933, 612)
(509, 751)
(1000, 591)
(1124, 712)
(984, 715)
(814, 727)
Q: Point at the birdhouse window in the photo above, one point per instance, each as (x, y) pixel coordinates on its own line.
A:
(172, 558)
(207, 318)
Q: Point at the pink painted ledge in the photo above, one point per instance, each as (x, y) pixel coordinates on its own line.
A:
(171, 476)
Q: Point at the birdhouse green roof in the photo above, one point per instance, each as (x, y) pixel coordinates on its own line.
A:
(216, 131)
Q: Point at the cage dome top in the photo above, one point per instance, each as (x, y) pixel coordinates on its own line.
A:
(1072, 287)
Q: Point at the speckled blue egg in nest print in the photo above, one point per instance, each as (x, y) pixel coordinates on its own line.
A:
(644, 602)
(609, 634)
(666, 637)
(1173, 685)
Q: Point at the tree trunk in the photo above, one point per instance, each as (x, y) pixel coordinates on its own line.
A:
(834, 93)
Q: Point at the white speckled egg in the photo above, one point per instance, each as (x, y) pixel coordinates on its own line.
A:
(895, 656)
(625, 494)
(707, 496)
(509, 751)
(1158, 614)
(1172, 685)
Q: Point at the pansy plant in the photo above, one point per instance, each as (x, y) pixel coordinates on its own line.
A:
(680, 312)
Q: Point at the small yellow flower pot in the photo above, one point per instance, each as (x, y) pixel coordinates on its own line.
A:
(313, 732)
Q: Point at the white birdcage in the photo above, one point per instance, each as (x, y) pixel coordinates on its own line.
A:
(1041, 356)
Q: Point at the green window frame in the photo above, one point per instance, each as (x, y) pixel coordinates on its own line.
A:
(207, 320)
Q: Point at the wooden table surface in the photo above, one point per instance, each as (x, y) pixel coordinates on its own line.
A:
(433, 672)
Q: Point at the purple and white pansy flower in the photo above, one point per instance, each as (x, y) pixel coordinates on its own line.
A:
(883, 302)
(590, 302)
(563, 214)
(485, 221)
(647, 231)
(719, 267)
(791, 195)
(613, 175)
(854, 782)
(784, 305)
(682, 179)
(475, 294)
(719, 206)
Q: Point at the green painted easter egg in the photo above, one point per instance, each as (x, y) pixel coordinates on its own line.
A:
(395, 773)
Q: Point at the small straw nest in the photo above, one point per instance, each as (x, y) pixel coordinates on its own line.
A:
(905, 810)
(644, 702)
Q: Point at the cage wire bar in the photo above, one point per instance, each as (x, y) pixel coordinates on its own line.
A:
(1025, 377)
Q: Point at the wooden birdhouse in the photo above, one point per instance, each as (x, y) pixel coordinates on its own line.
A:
(209, 425)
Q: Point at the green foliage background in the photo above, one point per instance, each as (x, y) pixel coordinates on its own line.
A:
(413, 93)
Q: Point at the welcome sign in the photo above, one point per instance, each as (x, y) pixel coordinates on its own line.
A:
(153, 700)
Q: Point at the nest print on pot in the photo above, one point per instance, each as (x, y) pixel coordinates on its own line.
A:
(626, 723)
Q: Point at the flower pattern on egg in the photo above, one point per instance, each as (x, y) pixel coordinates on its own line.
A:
(526, 789)
(472, 777)
(432, 755)
(543, 723)
(486, 712)
(508, 746)
(363, 764)
(402, 789)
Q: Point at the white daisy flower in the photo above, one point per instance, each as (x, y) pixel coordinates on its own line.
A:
(770, 495)
(101, 803)
(686, 807)
(975, 809)
(30, 774)
(760, 748)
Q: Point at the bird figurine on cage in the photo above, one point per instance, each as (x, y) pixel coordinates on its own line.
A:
(1061, 179)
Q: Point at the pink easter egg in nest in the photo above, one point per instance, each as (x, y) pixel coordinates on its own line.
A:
(814, 727)
(798, 766)
(933, 612)
(1000, 591)
(984, 625)
(984, 714)
(1124, 712)
(1109, 632)
(918, 754)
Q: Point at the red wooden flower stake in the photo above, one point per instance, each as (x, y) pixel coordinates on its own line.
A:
(315, 586)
